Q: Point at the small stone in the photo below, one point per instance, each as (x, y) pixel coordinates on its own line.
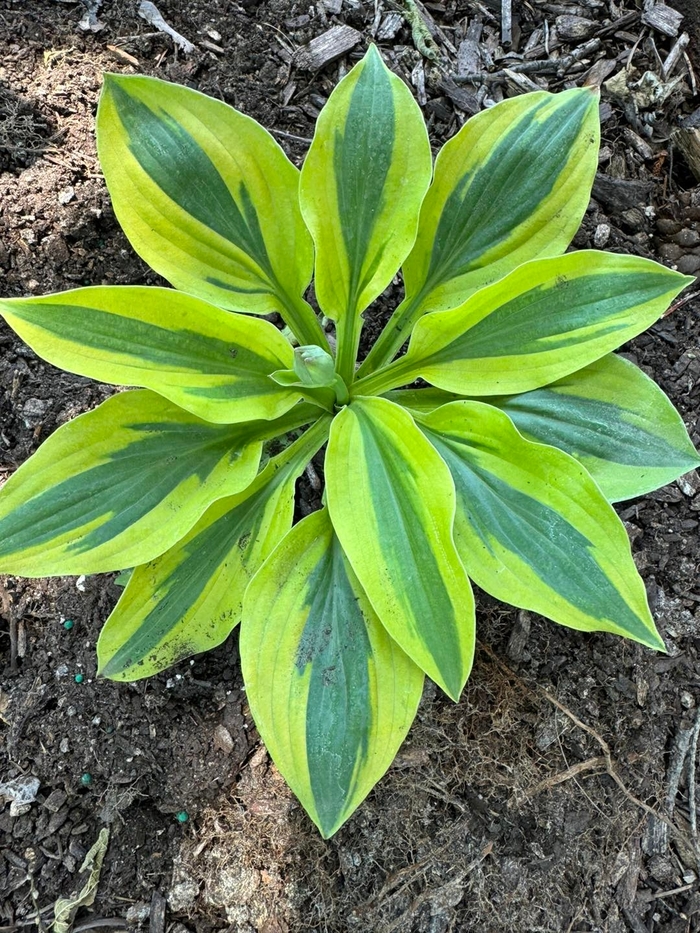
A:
(66, 195)
(687, 238)
(33, 411)
(601, 236)
(64, 747)
(223, 740)
(575, 27)
(667, 226)
(137, 913)
(672, 252)
(689, 483)
(689, 264)
(687, 701)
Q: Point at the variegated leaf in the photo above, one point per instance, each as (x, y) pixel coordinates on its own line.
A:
(207, 198)
(612, 418)
(362, 184)
(332, 695)
(189, 599)
(511, 186)
(392, 503)
(545, 320)
(208, 361)
(533, 529)
(118, 486)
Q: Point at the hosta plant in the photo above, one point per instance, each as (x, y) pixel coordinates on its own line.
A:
(490, 451)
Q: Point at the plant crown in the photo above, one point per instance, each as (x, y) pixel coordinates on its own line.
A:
(500, 470)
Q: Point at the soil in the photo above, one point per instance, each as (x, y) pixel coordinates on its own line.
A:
(559, 795)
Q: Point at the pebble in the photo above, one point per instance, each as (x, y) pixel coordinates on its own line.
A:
(601, 236)
(66, 195)
(687, 700)
(688, 264)
(687, 237)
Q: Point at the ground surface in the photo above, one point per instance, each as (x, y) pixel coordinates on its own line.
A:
(527, 807)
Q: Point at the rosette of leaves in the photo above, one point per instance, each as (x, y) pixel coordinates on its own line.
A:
(500, 469)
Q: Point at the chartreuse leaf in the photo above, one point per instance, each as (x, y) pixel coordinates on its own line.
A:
(545, 320)
(208, 361)
(532, 527)
(189, 599)
(612, 418)
(511, 186)
(207, 198)
(392, 501)
(362, 184)
(118, 486)
(332, 695)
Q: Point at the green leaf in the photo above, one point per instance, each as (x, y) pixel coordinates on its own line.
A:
(612, 418)
(545, 320)
(511, 186)
(118, 486)
(392, 503)
(189, 599)
(362, 184)
(330, 692)
(207, 198)
(533, 529)
(208, 361)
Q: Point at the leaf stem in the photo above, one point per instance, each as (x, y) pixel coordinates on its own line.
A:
(394, 334)
(302, 321)
(389, 377)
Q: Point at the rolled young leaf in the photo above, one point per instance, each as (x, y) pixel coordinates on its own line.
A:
(118, 486)
(362, 184)
(330, 692)
(545, 320)
(391, 500)
(511, 186)
(612, 418)
(207, 197)
(208, 361)
(533, 529)
(189, 599)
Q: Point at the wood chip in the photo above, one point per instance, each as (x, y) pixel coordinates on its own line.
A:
(389, 27)
(326, 48)
(468, 58)
(687, 138)
(156, 919)
(575, 28)
(662, 18)
(619, 194)
(463, 99)
(122, 56)
(675, 55)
